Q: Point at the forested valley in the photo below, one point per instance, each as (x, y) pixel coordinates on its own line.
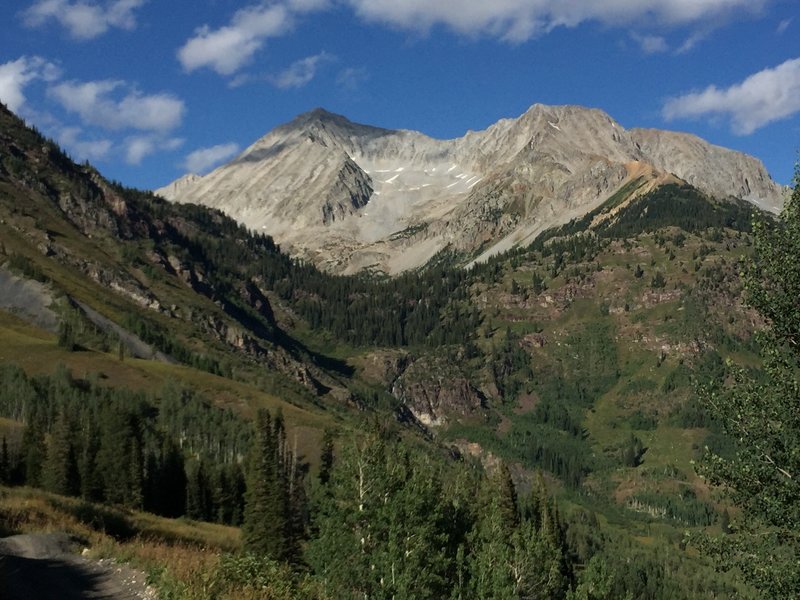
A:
(609, 412)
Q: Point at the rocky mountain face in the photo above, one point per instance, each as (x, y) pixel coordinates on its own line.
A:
(352, 197)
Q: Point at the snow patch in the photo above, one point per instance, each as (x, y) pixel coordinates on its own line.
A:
(553, 125)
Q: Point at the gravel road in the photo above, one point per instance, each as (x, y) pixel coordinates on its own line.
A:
(45, 566)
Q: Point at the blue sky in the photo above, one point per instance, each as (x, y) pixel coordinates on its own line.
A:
(150, 89)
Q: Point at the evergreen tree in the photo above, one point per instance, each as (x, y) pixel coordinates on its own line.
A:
(198, 495)
(60, 470)
(120, 456)
(33, 448)
(167, 481)
(518, 553)
(66, 335)
(326, 457)
(538, 283)
(91, 480)
(492, 562)
(274, 500)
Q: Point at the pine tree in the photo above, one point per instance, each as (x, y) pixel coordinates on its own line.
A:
(197, 491)
(326, 457)
(91, 481)
(60, 469)
(66, 336)
(120, 456)
(168, 481)
(274, 499)
(33, 449)
(492, 558)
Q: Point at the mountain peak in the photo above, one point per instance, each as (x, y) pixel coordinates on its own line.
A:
(353, 196)
(320, 115)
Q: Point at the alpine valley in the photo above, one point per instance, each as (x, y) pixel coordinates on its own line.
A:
(364, 363)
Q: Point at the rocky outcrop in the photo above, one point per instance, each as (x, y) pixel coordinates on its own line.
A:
(384, 366)
(351, 197)
(437, 392)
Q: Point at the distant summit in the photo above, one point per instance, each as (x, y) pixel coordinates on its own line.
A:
(350, 196)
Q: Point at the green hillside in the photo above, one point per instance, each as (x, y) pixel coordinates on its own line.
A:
(542, 409)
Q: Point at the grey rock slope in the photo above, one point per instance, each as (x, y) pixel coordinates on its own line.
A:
(352, 197)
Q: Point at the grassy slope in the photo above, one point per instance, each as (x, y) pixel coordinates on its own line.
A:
(36, 351)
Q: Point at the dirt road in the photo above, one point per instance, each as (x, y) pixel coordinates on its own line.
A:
(44, 566)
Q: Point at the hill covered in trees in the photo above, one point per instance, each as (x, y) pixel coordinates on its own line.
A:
(527, 427)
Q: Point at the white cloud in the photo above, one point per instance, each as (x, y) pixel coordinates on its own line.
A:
(137, 147)
(17, 74)
(520, 20)
(651, 44)
(227, 49)
(764, 97)
(305, 6)
(693, 40)
(351, 78)
(70, 138)
(783, 26)
(300, 72)
(94, 103)
(83, 20)
(203, 160)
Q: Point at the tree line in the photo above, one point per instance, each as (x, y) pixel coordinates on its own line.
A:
(171, 454)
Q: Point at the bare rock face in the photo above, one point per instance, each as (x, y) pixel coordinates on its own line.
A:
(711, 169)
(351, 197)
(436, 392)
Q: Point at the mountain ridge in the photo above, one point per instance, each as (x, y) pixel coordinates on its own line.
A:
(351, 197)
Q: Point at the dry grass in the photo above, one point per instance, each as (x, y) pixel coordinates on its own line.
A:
(184, 560)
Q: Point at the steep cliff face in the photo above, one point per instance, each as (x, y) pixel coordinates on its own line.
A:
(350, 196)
(436, 392)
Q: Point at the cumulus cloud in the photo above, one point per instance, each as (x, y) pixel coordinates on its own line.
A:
(520, 20)
(762, 98)
(204, 159)
(83, 20)
(300, 72)
(137, 147)
(95, 103)
(16, 74)
(227, 49)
